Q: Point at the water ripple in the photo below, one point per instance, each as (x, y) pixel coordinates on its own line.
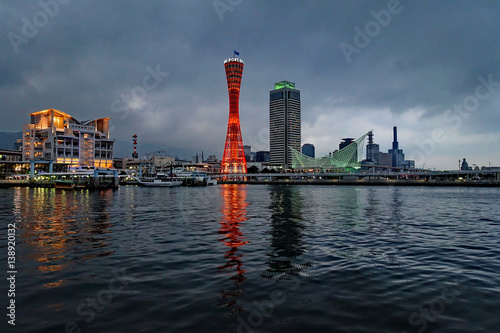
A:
(236, 258)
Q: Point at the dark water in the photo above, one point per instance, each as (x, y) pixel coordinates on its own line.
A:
(254, 258)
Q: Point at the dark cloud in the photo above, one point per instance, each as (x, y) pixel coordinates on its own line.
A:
(91, 53)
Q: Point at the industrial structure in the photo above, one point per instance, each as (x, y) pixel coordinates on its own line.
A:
(284, 124)
(53, 135)
(372, 151)
(398, 157)
(233, 160)
(134, 142)
(394, 158)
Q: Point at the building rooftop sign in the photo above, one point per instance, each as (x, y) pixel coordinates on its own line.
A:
(284, 84)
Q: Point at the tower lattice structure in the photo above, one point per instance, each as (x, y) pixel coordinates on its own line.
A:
(233, 160)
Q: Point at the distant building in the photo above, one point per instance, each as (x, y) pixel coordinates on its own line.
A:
(394, 157)
(397, 154)
(18, 145)
(284, 123)
(384, 159)
(163, 161)
(212, 158)
(487, 168)
(10, 155)
(372, 150)
(248, 152)
(465, 166)
(262, 156)
(308, 150)
(345, 142)
(56, 136)
(408, 164)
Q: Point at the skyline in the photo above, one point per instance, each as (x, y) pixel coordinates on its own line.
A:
(428, 68)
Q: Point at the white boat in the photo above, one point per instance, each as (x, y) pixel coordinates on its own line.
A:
(211, 181)
(194, 178)
(160, 180)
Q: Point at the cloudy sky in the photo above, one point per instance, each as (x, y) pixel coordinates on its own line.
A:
(156, 68)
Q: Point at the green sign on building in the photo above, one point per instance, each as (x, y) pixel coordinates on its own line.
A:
(284, 84)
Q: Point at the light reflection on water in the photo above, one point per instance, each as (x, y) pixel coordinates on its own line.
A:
(199, 259)
(287, 226)
(56, 223)
(233, 215)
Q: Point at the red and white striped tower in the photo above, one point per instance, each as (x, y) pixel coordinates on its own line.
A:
(134, 141)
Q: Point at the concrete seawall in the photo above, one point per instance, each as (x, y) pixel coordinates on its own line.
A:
(371, 182)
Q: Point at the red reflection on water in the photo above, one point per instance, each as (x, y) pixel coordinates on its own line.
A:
(233, 214)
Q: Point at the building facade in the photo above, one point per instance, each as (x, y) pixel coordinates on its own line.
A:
(384, 159)
(284, 123)
(56, 136)
(372, 150)
(262, 156)
(10, 155)
(398, 156)
(248, 153)
(308, 150)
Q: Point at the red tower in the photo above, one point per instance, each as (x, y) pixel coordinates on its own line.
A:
(233, 160)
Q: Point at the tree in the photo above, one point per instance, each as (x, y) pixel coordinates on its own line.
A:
(253, 169)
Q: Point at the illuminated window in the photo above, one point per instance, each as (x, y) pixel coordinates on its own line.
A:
(58, 121)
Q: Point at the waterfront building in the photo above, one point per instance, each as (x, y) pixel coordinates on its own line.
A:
(56, 136)
(394, 157)
(284, 123)
(248, 153)
(18, 145)
(372, 150)
(408, 164)
(346, 158)
(308, 150)
(398, 156)
(233, 159)
(465, 166)
(212, 158)
(345, 142)
(262, 156)
(384, 159)
(10, 155)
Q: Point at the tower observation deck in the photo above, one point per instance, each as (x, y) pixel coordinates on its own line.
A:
(233, 160)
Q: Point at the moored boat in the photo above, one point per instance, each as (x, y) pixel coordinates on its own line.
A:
(211, 181)
(159, 180)
(64, 184)
(71, 184)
